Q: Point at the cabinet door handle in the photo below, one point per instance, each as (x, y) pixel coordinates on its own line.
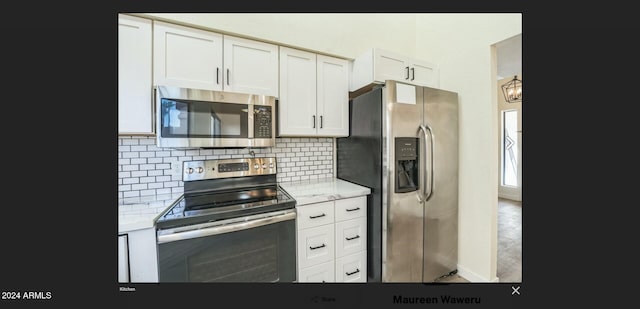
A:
(413, 73)
(314, 121)
(320, 122)
(352, 238)
(227, 77)
(318, 216)
(355, 272)
(318, 247)
(353, 209)
(407, 73)
(218, 76)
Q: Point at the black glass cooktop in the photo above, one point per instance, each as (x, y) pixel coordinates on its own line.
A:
(194, 208)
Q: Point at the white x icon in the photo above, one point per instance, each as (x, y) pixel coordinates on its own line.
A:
(515, 290)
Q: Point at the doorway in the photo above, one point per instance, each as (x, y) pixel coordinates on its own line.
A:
(510, 128)
(509, 203)
(509, 66)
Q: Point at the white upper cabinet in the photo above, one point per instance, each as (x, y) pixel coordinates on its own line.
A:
(333, 96)
(135, 104)
(297, 101)
(389, 65)
(187, 57)
(424, 73)
(250, 66)
(376, 66)
(193, 58)
(314, 94)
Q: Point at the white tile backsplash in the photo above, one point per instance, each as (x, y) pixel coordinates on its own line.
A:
(144, 169)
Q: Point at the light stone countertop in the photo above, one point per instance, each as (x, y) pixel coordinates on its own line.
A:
(135, 213)
(322, 190)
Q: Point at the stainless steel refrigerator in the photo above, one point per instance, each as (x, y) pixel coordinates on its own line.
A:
(403, 144)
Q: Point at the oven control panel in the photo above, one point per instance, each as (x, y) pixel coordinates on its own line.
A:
(233, 167)
(226, 168)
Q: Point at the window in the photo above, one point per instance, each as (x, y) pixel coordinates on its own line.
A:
(510, 148)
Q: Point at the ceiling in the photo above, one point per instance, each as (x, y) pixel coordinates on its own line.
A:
(509, 56)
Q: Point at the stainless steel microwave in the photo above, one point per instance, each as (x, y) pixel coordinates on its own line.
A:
(195, 118)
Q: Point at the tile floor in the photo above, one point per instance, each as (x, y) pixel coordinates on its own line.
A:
(509, 243)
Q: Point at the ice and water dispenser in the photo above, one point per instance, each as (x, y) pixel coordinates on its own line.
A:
(407, 164)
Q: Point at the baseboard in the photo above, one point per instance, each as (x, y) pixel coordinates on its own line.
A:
(473, 277)
(509, 196)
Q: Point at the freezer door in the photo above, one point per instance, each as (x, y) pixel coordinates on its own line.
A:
(402, 212)
(441, 206)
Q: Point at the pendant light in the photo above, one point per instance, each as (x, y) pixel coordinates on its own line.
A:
(512, 90)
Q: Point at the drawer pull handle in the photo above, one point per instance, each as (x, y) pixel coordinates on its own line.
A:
(352, 238)
(355, 272)
(354, 209)
(318, 247)
(318, 216)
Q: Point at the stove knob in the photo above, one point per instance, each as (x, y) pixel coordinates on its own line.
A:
(190, 170)
(271, 165)
(200, 169)
(264, 165)
(256, 166)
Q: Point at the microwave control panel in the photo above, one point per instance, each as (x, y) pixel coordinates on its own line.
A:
(262, 122)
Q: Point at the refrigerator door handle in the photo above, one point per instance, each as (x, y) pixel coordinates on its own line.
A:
(429, 175)
(423, 160)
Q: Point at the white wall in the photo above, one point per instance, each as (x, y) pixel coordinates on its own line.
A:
(344, 35)
(461, 45)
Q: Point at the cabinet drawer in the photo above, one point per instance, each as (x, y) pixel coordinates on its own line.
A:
(351, 236)
(324, 272)
(314, 215)
(352, 268)
(315, 245)
(351, 208)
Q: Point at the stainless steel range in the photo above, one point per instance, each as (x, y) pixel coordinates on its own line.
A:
(233, 224)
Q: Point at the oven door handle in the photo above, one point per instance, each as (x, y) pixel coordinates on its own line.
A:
(225, 226)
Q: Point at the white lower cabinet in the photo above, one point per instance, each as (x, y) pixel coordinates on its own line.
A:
(351, 236)
(315, 245)
(324, 272)
(332, 241)
(142, 255)
(123, 259)
(352, 268)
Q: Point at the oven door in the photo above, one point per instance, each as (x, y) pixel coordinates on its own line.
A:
(258, 248)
